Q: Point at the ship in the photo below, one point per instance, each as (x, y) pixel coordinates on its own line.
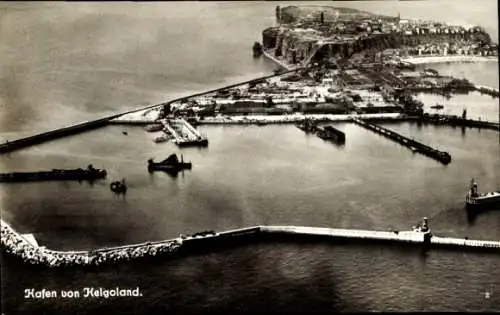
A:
(170, 164)
(474, 199)
(79, 174)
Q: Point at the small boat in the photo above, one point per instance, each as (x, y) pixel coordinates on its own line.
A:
(119, 187)
(154, 127)
(437, 106)
(257, 49)
(161, 139)
(125, 133)
(170, 164)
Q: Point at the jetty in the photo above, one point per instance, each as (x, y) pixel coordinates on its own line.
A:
(415, 146)
(183, 133)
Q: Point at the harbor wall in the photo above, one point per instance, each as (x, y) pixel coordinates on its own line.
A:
(9, 146)
(15, 244)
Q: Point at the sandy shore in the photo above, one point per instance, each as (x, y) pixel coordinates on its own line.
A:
(443, 59)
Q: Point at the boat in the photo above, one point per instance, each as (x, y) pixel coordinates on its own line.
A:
(331, 133)
(437, 106)
(200, 142)
(257, 49)
(154, 127)
(170, 164)
(118, 187)
(474, 199)
(79, 174)
(161, 139)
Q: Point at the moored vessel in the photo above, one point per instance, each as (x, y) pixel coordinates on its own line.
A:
(437, 106)
(474, 199)
(257, 49)
(79, 174)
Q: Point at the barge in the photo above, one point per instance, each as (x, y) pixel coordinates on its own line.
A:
(78, 174)
(475, 200)
(331, 133)
(200, 142)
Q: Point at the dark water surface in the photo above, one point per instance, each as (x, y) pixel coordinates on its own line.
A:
(64, 63)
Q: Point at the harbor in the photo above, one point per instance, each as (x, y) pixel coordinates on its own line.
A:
(256, 210)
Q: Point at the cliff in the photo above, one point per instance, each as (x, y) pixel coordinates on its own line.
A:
(316, 33)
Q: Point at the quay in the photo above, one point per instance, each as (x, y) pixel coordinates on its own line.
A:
(297, 118)
(415, 146)
(30, 252)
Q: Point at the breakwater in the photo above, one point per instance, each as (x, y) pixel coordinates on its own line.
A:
(16, 244)
(19, 246)
(415, 146)
(9, 146)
